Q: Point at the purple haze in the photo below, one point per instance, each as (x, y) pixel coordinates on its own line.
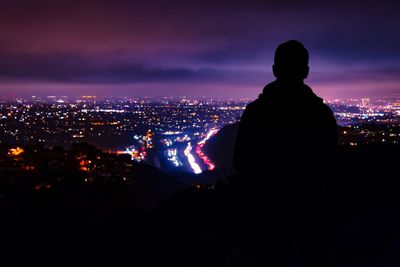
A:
(194, 48)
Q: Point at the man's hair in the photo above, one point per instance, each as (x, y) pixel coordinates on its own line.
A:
(291, 58)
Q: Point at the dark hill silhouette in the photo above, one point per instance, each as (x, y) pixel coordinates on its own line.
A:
(81, 225)
(150, 188)
(206, 177)
(207, 226)
(219, 148)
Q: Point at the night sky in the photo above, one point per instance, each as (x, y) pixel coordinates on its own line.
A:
(194, 48)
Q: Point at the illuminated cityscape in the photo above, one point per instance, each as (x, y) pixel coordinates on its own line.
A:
(157, 132)
(132, 124)
(168, 133)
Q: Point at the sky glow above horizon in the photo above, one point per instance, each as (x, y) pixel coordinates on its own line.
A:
(194, 48)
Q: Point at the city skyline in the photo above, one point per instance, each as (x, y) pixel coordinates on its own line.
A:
(201, 48)
(171, 134)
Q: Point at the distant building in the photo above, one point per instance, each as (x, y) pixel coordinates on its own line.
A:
(365, 102)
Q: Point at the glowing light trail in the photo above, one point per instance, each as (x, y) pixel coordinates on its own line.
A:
(200, 153)
(209, 135)
(192, 161)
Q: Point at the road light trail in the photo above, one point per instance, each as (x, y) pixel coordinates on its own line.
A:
(200, 153)
(192, 161)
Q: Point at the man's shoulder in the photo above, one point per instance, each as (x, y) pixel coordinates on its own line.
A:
(322, 112)
(323, 108)
(261, 100)
(316, 101)
(254, 107)
(253, 104)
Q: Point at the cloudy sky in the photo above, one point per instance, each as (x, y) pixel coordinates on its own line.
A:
(194, 48)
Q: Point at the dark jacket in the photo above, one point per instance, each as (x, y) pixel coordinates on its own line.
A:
(287, 132)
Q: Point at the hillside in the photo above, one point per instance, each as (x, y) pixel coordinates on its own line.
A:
(220, 147)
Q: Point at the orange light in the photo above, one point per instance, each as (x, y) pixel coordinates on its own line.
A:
(28, 168)
(16, 151)
(83, 165)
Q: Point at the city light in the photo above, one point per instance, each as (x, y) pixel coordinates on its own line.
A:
(158, 132)
(16, 151)
(172, 156)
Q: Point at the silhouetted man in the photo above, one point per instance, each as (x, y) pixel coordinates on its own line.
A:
(288, 129)
(285, 147)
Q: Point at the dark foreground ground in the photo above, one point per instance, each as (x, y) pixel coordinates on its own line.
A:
(209, 225)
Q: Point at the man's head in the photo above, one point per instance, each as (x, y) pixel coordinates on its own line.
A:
(291, 61)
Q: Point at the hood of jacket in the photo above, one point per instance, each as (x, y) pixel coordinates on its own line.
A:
(278, 89)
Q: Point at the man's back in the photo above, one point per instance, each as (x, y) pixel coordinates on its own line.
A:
(284, 149)
(287, 130)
